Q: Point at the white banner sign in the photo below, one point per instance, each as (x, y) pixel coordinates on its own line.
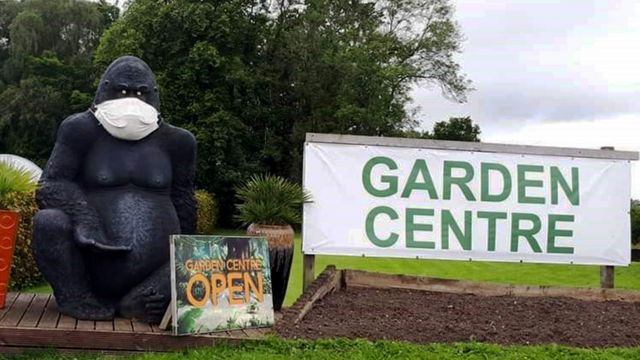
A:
(392, 201)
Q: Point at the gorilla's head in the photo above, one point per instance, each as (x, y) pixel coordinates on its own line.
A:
(128, 76)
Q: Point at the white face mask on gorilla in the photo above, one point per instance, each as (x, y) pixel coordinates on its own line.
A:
(127, 118)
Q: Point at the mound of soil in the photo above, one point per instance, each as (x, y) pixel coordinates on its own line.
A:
(425, 317)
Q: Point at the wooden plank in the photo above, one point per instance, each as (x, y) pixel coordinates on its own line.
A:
(256, 333)
(331, 284)
(15, 313)
(377, 280)
(89, 325)
(223, 334)
(35, 311)
(122, 325)
(308, 270)
(166, 319)
(141, 327)
(11, 298)
(21, 350)
(236, 333)
(470, 146)
(607, 277)
(98, 341)
(155, 328)
(104, 325)
(66, 322)
(49, 319)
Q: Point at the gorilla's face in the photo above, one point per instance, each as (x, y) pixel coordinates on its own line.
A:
(128, 76)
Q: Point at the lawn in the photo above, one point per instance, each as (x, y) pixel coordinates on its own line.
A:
(360, 350)
(514, 273)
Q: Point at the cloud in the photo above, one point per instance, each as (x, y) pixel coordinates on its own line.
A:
(544, 61)
(621, 132)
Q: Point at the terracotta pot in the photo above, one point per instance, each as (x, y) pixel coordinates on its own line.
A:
(280, 239)
(8, 231)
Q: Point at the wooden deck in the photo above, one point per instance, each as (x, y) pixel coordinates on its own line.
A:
(32, 321)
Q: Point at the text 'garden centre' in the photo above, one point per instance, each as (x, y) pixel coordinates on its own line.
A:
(528, 184)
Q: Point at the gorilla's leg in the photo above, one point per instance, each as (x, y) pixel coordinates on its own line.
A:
(148, 300)
(62, 264)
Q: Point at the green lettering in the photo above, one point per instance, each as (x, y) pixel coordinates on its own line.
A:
(370, 226)
(528, 234)
(461, 182)
(420, 168)
(485, 168)
(523, 183)
(412, 227)
(391, 181)
(448, 222)
(553, 232)
(572, 193)
(492, 219)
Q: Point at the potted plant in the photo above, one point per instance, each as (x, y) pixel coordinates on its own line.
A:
(269, 205)
(13, 179)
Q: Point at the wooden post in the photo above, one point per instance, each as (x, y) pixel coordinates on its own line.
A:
(308, 270)
(606, 277)
(607, 272)
(166, 319)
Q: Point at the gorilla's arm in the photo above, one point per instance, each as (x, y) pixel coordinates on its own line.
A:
(58, 189)
(184, 172)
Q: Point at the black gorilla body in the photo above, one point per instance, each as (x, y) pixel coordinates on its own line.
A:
(109, 206)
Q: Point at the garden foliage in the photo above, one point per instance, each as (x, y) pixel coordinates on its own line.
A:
(13, 180)
(250, 78)
(635, 221)
(46, 69)
(207, 212)
(24, 272)
(270, 200)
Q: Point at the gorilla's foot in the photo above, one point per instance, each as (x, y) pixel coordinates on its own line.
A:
(86, 308)
(147, 305)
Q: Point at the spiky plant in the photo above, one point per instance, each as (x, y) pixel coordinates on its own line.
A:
(270, 200)
(13, 179)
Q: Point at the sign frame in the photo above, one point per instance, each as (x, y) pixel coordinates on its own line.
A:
(207, 267)
(604, 154)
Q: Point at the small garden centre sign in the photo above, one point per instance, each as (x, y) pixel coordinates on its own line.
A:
(219, 283)
(467, 201)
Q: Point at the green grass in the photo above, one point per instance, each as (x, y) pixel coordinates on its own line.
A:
(516, 273)
(513, 273)
(40, 289)
(358, 349)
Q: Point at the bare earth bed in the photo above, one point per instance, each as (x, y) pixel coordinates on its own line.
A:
(426, 317)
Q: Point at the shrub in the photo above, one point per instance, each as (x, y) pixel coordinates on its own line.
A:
(207, 212)
(635, 221)
(270, 200)
(24, 271)
(13, 179)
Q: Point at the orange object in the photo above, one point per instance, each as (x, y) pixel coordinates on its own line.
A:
(8, 231)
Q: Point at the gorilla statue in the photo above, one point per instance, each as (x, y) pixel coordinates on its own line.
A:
(119, 181)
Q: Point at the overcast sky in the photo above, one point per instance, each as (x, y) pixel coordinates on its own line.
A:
(549, 72)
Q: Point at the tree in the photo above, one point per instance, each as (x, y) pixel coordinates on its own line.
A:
(250, 78)
(458, 129)
(635, 221)
(47, 73)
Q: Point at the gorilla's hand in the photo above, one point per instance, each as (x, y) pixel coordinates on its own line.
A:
(94, 239)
